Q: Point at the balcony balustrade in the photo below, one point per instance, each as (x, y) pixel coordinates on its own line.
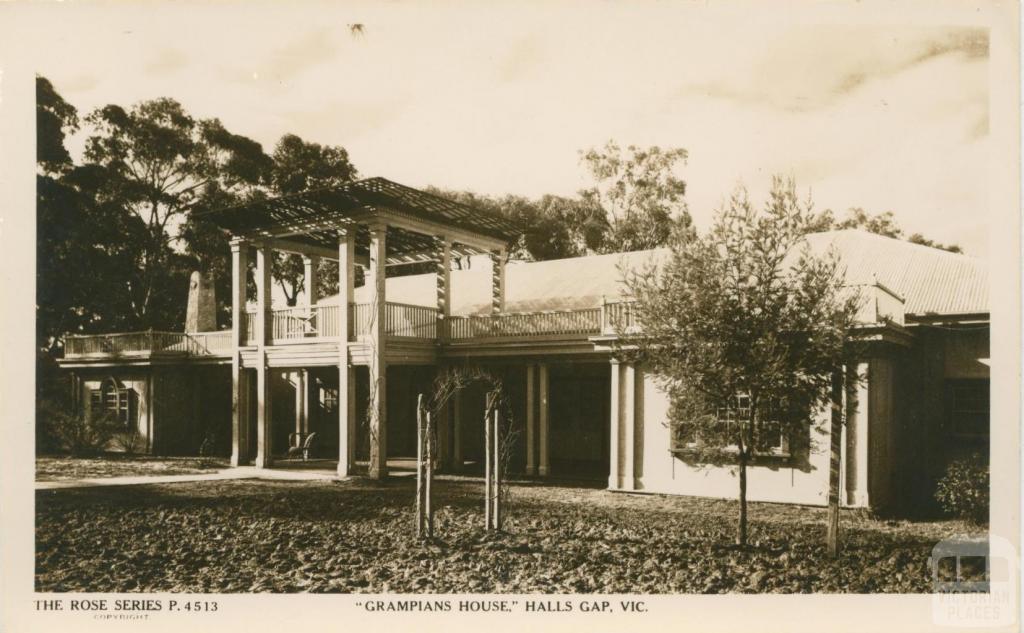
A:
(323, 322)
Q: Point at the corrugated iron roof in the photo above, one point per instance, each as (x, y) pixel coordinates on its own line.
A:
(931, 281)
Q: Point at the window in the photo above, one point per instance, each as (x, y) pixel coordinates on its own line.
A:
(329, 398)
(770, 437)
(969, 410)
(113, 399)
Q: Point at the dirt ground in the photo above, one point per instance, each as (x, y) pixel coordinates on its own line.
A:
(358, 536)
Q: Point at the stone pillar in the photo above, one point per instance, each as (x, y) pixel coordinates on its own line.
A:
(615, 414)
(264, 336)
(239, 386)
(628, 424)
(201, 310)
(346, 374)
(498, 281)
(531, 421)
(377, 341)
(545, 466)
(443, 254)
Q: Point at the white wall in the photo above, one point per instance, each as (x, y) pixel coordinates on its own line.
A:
(136, 383)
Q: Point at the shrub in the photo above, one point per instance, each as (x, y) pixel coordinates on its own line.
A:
(964, 490)
(209, 446)
(80, 435)
(128, 439)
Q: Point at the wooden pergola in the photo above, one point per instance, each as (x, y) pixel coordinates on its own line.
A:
(374, 223)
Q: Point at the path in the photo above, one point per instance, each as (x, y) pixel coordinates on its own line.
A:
(242, 472)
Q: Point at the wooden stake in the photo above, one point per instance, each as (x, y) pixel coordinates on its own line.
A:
(487, 462)
(419, 466)
(429, 467)
(497, 469)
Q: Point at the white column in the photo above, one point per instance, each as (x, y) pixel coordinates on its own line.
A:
(443, 282)
(311, 278)
(615, 411)
(498, 281)
(300, 401)
(239, 391)
(545, 466)
(264, 316)
(857, 423)
(456, 415)
(628, 423)
(346, 374)
(377, 341)
(531, 422)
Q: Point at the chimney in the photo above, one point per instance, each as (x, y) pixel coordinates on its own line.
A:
(201, 315)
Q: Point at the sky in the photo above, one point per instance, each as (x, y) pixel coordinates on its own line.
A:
(497, 99)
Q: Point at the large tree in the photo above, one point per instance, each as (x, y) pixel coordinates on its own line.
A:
(880, 224)
(302, 166)
(642, 196)
(160, 162)
(746, 327)
(550, 227)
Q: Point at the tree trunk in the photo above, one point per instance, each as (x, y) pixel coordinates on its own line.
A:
(745, 443)
(741, 534)
(835, 465)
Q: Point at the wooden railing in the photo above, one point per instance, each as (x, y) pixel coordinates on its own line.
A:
(525, 324)
(149, 342)
(618, 318)
(306, 322)
(400, 320)
(413, 321)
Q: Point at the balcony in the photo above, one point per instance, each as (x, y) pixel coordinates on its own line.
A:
(149, 343)
(319, 323)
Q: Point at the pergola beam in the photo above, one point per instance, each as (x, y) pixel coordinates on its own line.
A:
(309, 250)
(423, 226)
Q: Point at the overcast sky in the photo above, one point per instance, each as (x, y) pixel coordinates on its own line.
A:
(890, 117)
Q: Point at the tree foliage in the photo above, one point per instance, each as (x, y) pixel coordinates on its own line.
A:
(880, 224)
(748, 311)
(642, 197)
(551, 227)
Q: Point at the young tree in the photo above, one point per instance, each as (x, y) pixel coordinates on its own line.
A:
(745, 326)
(640, 193)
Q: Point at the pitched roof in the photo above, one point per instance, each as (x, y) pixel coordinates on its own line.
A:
(931, 281)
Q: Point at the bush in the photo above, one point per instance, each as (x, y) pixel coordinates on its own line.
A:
(77, 434)
(129, 440)
(964, 490)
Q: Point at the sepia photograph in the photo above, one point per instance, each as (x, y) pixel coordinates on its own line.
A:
(564, 309)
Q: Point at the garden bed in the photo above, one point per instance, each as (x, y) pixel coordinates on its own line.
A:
(66, 468)
(356, 536)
